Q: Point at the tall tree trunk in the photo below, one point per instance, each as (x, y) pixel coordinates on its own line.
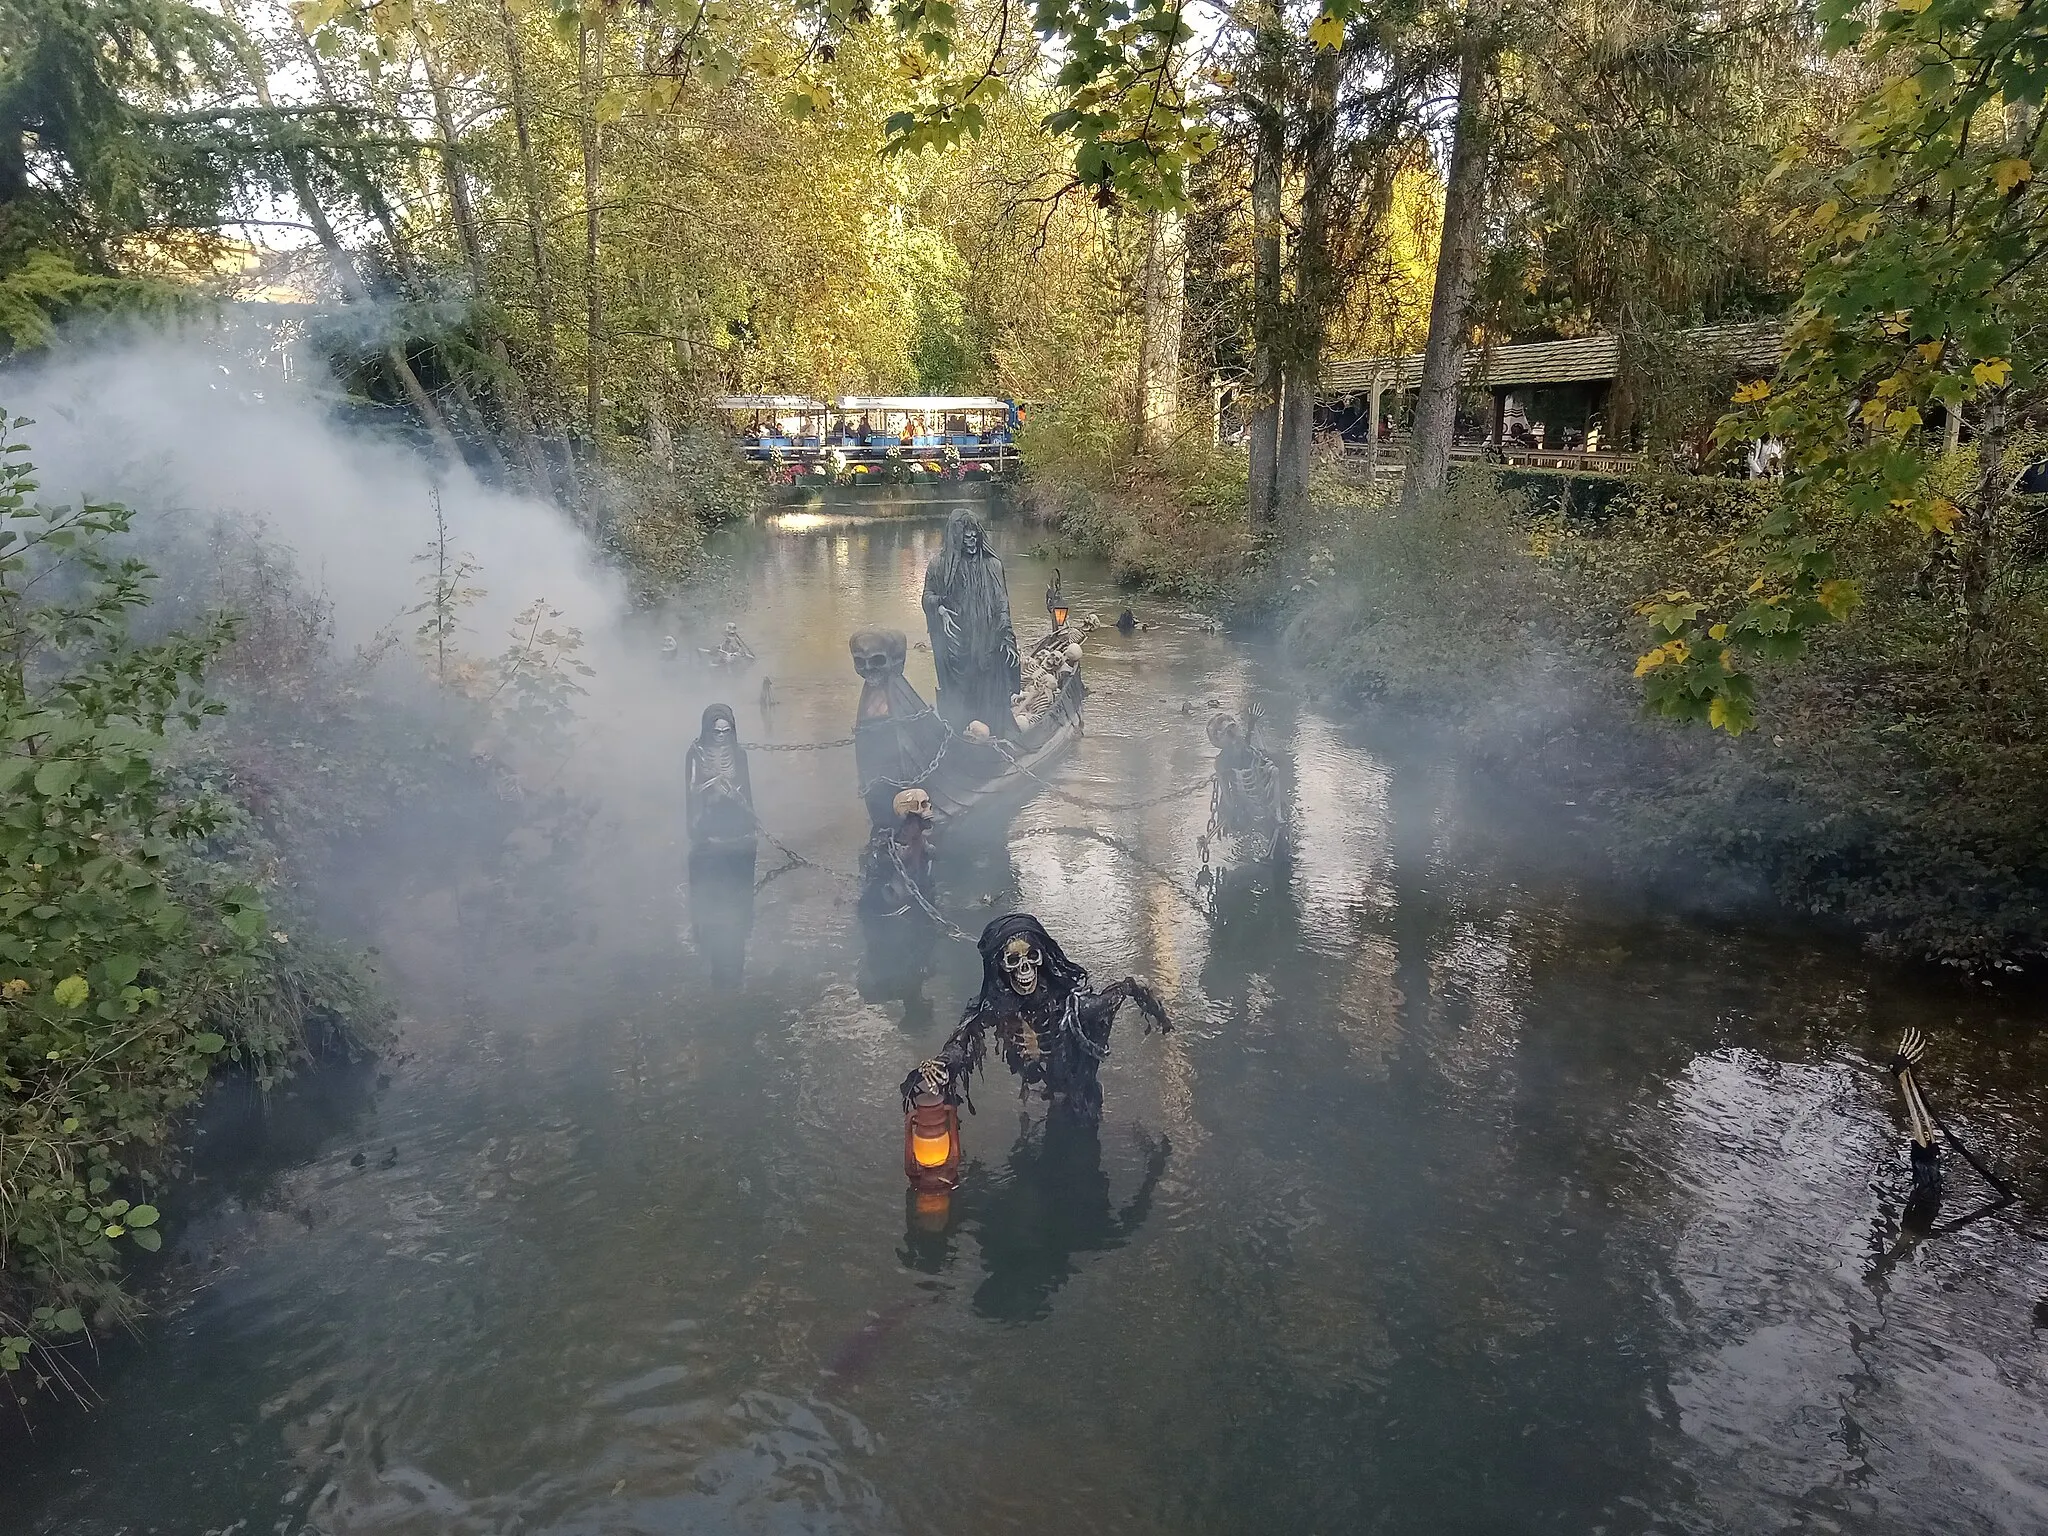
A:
(339, 257)
(1457, 271)
(1372, 438)
(1268, 151)
(1315, 293)
(589, 82)
(1979, 525)
(513, 406)
(537, 222)
(661, 442)
(1164, 305)
(529, 176)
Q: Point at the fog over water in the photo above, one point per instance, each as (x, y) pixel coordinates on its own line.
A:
(1465, 1198)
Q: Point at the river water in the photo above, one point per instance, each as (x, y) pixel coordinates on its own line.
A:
(1464, 1200)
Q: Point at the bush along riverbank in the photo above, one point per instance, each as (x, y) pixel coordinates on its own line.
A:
(1891, 786)
(137, 953)
(1172, 522)
(186, 760)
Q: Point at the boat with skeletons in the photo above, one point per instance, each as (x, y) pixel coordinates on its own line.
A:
(1001, 718)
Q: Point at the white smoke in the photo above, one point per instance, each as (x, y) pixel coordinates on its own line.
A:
(179, 427)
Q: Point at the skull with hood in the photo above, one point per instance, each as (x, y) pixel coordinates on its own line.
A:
(1050, 1026)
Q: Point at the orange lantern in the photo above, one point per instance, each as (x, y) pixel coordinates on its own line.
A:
(931, 1144)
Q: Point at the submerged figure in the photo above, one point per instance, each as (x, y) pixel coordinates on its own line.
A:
(1036, 1222)
(722, 907)
(896, 899)
(1051, 1027)
(967, 611)
(732, 650)
(897, 737)
(897, 867)
(1244, 798)
(1922, 1152)
(719, 795)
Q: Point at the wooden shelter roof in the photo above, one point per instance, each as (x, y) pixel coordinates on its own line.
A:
(1757, 345)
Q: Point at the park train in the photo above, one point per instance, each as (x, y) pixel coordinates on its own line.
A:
(886, 438)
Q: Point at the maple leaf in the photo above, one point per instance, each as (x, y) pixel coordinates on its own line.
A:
(2007, 174)
(1326, 32)
(1756, 389)
(1992, 372)
(1729, 714)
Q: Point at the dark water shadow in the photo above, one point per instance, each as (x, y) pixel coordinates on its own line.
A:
(1034, 1220)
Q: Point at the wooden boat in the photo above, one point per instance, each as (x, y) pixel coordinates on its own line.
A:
(976, 773)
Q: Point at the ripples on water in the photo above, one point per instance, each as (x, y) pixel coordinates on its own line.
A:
(1463, 1201)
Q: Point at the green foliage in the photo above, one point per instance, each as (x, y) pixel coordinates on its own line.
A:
(134, 959)
(1920, 288)
(1117, 95)
(1173, 521)
(111, 168)
(1880, 789)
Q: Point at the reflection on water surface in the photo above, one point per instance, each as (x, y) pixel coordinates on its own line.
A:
(1462, 1201)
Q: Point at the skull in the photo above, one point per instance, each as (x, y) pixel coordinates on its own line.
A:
(970, 538)
(721, 727)
(913, 802)
(877, 652)
(1021, 963)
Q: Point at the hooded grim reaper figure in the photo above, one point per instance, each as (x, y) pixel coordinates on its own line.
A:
(967, 611)
(1051, 1027)
(718, 793)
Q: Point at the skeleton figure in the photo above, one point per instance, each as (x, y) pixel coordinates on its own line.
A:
(1050, 669)
(719, 794)
(1244, 799)
(967, 611)
(1050, 1026)
(1924, 1154)
(897, 867)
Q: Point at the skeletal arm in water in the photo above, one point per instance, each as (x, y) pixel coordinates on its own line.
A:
(1105, 1004)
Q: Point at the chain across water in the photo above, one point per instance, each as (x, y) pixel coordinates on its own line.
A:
(946, 926)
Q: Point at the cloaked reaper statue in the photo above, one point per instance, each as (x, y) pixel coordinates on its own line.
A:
(967, 611)
(1051, 1027)
(897, 737)
(718, 793)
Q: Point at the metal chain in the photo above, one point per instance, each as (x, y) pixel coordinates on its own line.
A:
(949, 929)
(1166, 877)
(917, 781)
(797, 746)
(795, 859)
(1125, 805)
